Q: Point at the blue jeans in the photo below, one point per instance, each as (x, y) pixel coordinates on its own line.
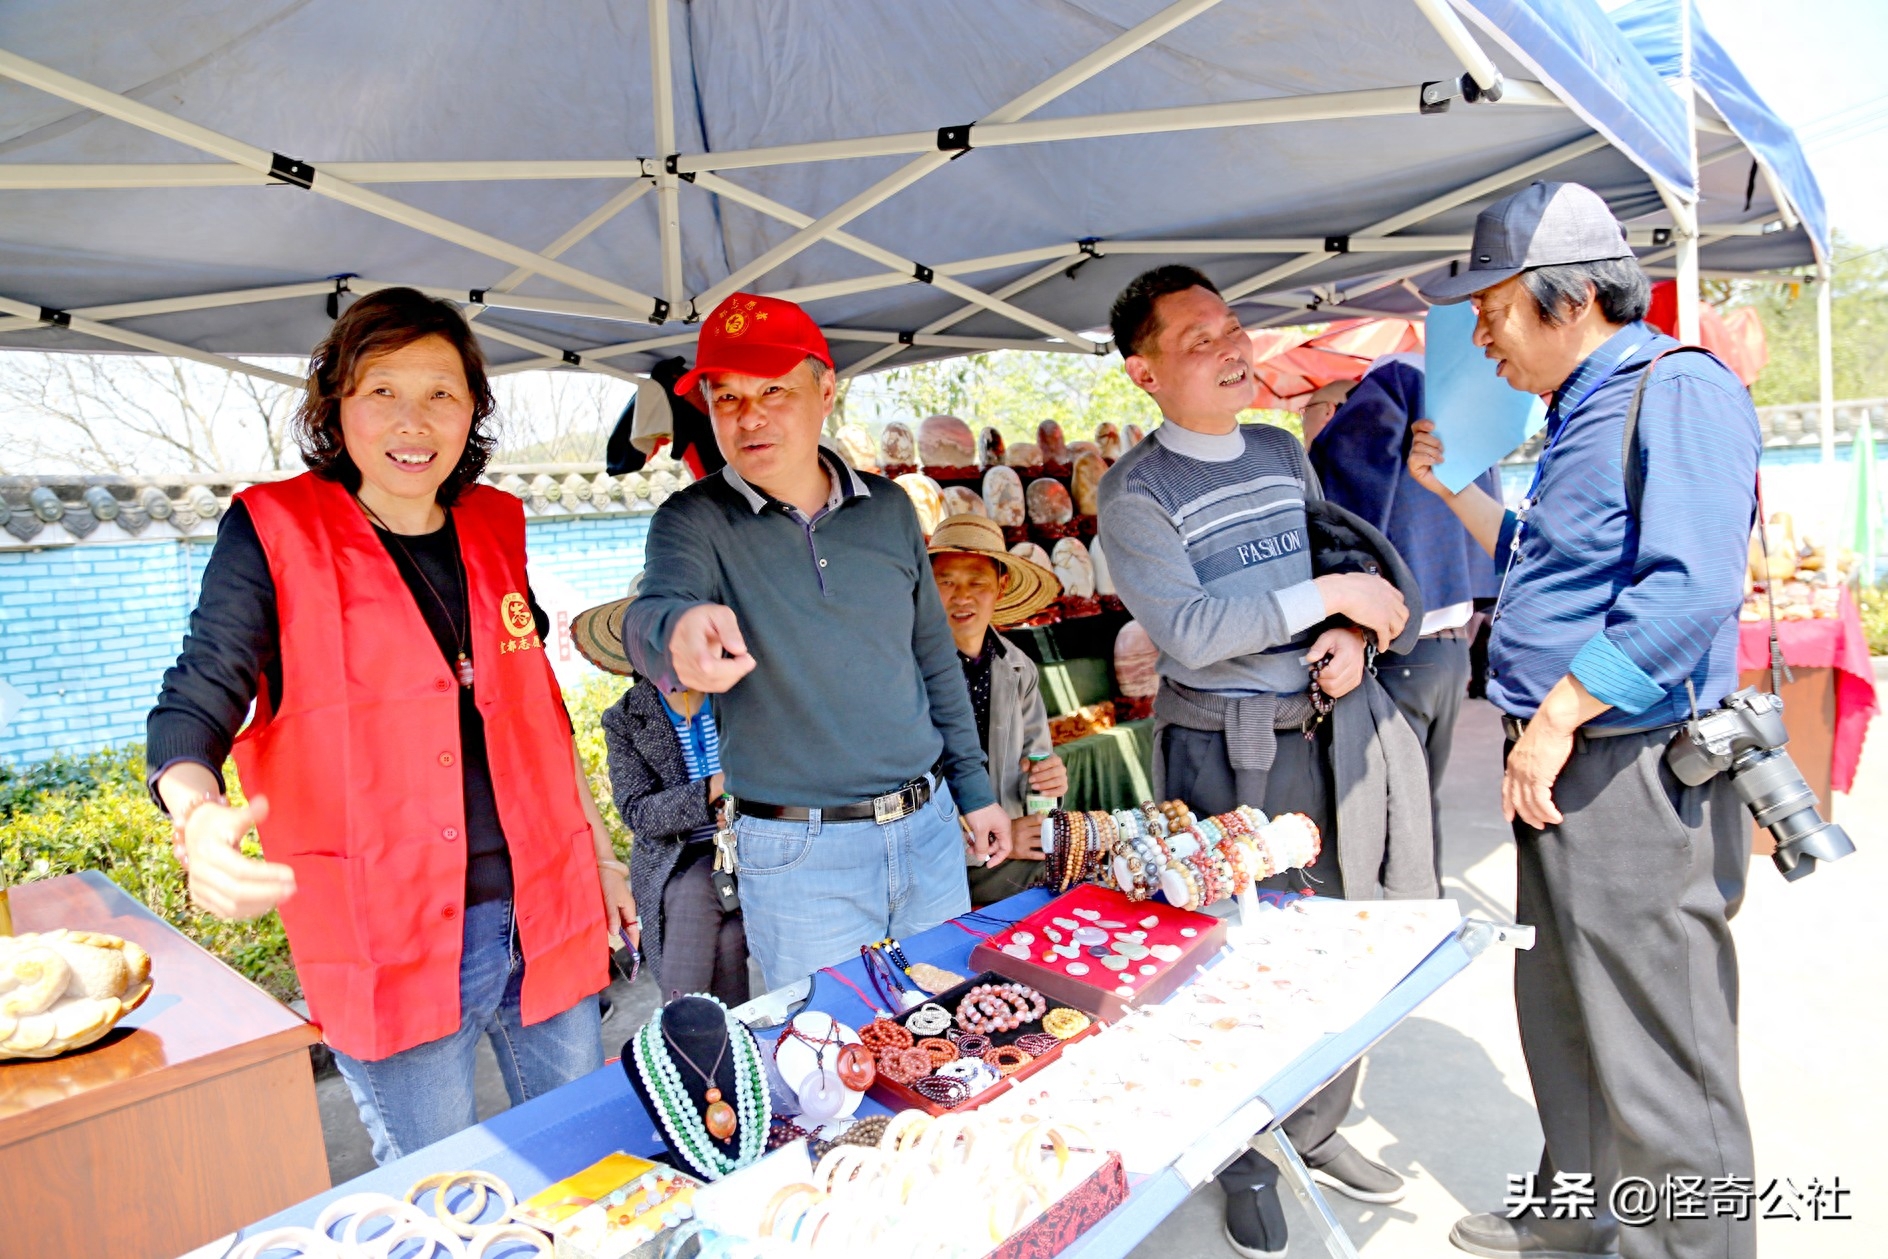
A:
(424, 1094)
(813, 892)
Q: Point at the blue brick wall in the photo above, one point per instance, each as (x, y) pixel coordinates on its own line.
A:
(86, 632)
(598, 555)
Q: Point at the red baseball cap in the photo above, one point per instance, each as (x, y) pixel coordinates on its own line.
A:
(754, 336)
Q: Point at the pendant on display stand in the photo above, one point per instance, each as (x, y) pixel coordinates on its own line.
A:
(719, 1117)
(856, 1067)
(822, 1096)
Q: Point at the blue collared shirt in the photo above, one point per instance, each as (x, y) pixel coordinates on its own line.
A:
(1632, 608)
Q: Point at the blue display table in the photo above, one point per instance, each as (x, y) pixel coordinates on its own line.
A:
(546, 1139)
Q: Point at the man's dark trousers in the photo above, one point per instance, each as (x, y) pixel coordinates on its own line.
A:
(1628, 999)
(1197, 770)
(1428, 684)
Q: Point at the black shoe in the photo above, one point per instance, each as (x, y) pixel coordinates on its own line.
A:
(1355, 1176)
(1255, 1222)
(1498, 1237)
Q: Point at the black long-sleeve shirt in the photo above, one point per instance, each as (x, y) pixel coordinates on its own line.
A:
(233, 648)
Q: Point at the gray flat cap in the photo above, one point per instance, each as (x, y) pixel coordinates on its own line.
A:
(1543, 225)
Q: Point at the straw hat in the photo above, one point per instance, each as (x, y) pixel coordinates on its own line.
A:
(597, 633)
(1032, 587)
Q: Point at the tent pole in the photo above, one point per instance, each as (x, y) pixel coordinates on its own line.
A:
(113, 105)
(962, 313)
(1365, 103)
(24, 176)
(1826, 364)
(1684, 212)
(889, 279)
(971, 344)
(1688, 297)
(1685, 209)
(1122, 46)
(584, 227)
(152, 345)
(884, 257)
(1428, 209)
(553, 361)
(172, 305)
(556, 357)
(1449, 25)
(668, 188)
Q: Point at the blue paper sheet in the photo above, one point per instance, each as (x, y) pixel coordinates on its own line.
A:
(1479, 416)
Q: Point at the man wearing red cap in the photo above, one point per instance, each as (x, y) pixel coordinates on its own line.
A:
(798, 593)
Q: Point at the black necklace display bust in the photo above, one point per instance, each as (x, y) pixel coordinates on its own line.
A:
(705, 1047)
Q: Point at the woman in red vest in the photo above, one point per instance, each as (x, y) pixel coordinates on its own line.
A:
(431, 841)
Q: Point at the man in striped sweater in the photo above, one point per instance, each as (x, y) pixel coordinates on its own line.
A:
(1205, 531)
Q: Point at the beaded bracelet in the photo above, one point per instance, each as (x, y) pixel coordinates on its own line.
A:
(884, 1034)
(1008, 1058)
(941, 1050)
(1064, 1023)
(928, 1019)
(971, 1044)
(904, 1065)
(1037, 1043)
(943, 1090)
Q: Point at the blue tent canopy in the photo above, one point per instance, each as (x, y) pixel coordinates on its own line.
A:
(202, 178)
(1751, 167)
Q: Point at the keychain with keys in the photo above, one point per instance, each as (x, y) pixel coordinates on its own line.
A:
(724, 835)
(722, 877)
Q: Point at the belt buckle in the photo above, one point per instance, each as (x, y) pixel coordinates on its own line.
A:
(888, 807)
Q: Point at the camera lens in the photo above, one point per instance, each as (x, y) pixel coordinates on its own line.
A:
(1772, 788)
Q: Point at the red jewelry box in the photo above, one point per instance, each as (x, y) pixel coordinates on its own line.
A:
(903, 1097)
(1073, 1214)
(1098, 991)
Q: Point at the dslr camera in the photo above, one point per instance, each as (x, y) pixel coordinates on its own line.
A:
(1745, 736)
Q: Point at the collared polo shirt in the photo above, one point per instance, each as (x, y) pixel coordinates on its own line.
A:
(1632, 607)
(856, 687)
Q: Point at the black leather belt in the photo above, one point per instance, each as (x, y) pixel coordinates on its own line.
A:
(889, 807)
(1515, 727)
(1454, 631)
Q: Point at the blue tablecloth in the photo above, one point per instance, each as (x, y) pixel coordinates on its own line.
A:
(550, 1137)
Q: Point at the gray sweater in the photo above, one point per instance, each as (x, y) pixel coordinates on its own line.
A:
(1207, 544)
(856, 687)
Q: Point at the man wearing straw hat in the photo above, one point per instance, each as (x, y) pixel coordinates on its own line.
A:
(797, 593)
(983, 586)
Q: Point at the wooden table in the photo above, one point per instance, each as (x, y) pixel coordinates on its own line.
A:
(193, 1117)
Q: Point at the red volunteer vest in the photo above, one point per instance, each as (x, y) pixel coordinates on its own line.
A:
(360, 764)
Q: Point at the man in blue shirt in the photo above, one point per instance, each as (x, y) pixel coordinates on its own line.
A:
(1359, 452)
(1615, 600)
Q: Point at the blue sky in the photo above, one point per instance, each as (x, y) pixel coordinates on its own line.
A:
(1820, 64)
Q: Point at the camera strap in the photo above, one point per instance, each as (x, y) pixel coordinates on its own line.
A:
(1634, 475)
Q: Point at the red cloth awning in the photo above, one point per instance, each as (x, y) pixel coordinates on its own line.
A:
(1292, 364)
(1736, 337)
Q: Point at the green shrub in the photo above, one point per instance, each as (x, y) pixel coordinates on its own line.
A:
(586, 704)
(1873, 602)
(73, 813)
(92, 813)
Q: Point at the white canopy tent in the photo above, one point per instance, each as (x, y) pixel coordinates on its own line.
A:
(208, 181)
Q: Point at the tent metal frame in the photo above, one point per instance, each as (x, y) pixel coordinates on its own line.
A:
(236, 162)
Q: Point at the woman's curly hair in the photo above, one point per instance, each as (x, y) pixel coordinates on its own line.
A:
(380, 323)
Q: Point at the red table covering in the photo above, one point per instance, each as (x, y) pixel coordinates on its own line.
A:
(1832, 643)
